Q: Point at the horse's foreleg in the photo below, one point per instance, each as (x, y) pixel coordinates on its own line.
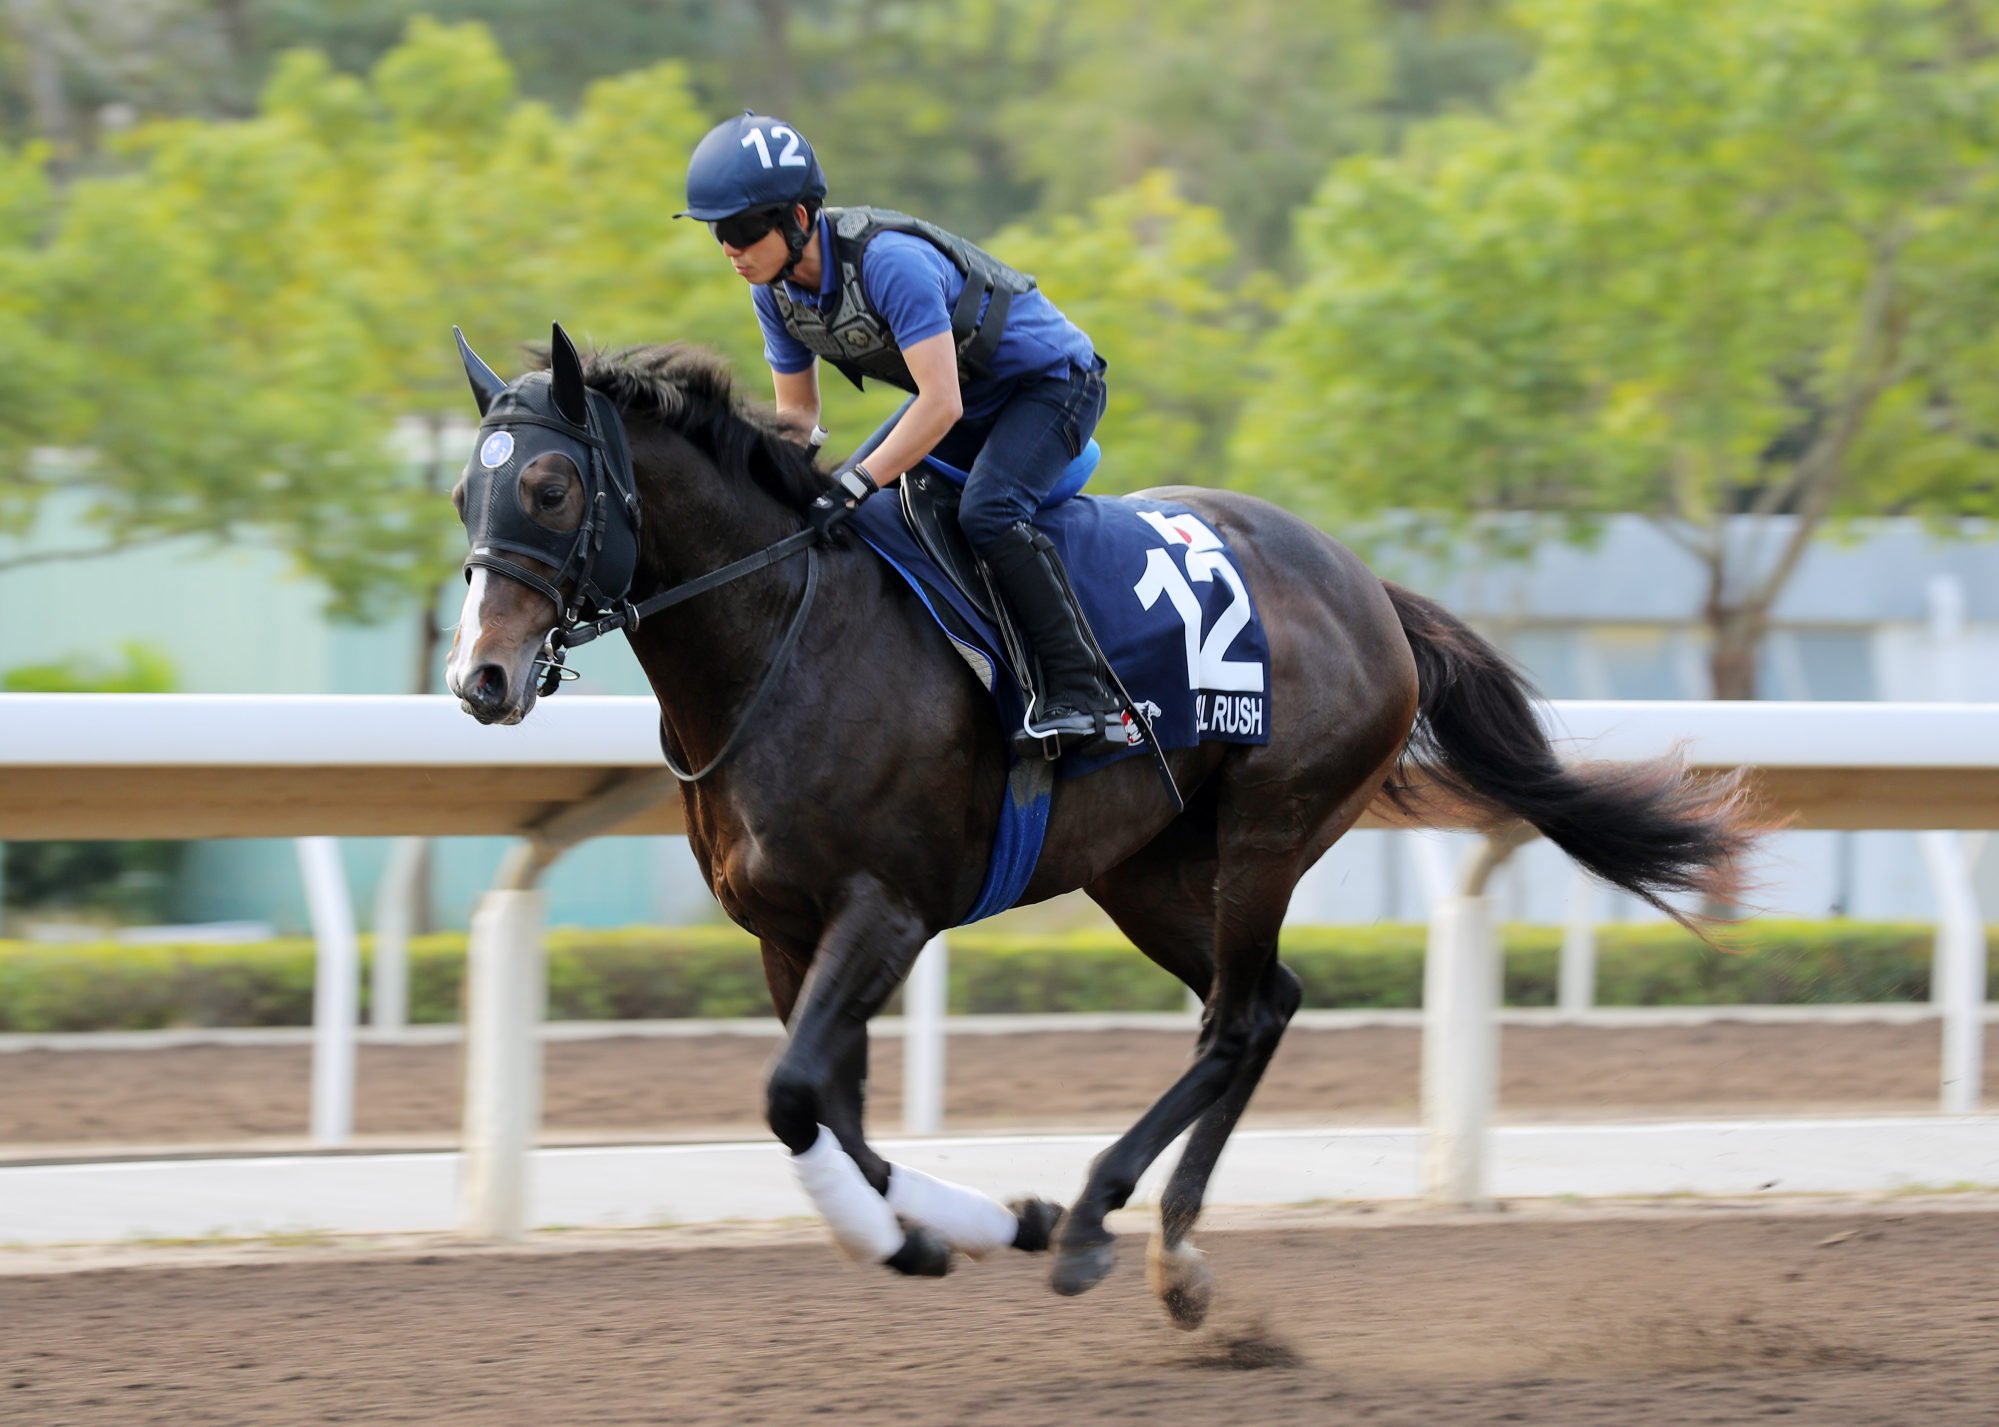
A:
(972, 1222)
(813, 1096)
(968, 1220)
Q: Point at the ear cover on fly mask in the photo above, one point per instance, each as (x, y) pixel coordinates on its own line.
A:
(486, 383)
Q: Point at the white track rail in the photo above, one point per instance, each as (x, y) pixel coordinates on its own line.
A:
(195, 766)
(621, 1186)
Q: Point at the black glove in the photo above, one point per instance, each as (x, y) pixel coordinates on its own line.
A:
(832, 510)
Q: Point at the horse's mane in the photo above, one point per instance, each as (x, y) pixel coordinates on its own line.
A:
(689, 390)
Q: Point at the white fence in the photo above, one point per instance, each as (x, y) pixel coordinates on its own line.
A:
(193, 766)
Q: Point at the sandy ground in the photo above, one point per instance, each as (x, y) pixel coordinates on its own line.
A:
(1559, 1315)
(643, 1088)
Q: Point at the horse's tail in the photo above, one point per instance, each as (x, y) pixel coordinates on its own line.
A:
(1650, 828)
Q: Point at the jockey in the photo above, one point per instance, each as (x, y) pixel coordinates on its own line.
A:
(1004, 386)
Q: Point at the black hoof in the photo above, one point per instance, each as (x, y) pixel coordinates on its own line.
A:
(1081, 1267)
(1038, 1218)
(923, 1254)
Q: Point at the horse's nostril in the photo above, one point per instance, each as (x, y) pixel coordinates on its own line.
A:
(488, 686)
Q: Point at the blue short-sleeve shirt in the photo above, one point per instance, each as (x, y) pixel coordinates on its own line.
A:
(914, 287)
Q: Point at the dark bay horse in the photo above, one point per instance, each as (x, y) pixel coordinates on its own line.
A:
(853, 817)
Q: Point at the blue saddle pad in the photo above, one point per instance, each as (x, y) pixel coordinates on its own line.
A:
(1173, 614)
(1169, 607)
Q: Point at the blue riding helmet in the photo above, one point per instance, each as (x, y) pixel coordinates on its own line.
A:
(751, 161)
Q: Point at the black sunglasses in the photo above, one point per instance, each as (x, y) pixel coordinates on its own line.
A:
(742, 229)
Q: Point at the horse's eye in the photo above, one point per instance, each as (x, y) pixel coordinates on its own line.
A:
(550, 496)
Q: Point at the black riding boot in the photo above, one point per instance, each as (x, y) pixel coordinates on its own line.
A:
(1074, 703)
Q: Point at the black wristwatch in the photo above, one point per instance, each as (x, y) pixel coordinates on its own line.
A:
(857, 482)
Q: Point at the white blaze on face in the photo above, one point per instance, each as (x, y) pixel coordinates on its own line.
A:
(469, 633)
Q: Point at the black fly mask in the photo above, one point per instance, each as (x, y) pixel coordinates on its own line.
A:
(554, 413)
(541, 414)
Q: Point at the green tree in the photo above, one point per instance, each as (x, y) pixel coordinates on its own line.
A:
(255, 319)
(1155, 280)
(42, 366)
(215, 376)
(1246, 103)
(1714, 259)
(982, 113)
(73, 71)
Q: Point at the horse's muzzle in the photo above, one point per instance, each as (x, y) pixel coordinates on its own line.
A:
(486, 696)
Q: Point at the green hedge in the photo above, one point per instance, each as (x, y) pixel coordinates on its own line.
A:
(644, 973)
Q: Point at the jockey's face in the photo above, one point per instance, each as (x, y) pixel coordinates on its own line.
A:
(761, 261)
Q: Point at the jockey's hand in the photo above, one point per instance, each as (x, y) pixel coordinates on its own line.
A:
(831, 510)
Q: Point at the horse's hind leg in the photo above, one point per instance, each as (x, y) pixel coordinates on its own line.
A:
(1175, 1269)
(1164, 900)
(1245, 896)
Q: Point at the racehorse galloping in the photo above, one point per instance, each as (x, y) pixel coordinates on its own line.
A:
(857, 773)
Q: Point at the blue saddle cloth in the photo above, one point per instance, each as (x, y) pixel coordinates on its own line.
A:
(1172, 612)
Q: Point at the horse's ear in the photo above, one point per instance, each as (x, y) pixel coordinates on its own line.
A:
(486, 383)
(567, 370)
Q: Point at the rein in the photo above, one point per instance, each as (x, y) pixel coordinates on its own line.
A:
(561, 640)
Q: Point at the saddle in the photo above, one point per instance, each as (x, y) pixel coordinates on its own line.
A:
(931, 493)
(1155, 580)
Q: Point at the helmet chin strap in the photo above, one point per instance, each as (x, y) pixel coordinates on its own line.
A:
(796, 240)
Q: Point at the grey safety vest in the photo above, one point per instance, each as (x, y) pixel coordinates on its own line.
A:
(852, 335)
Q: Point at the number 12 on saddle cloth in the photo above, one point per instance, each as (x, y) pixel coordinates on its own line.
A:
(1172, 612)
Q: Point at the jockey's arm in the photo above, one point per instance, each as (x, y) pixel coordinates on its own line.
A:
(798, 399)
(938, 405)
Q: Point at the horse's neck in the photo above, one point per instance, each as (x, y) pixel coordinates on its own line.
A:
(697, 518)
(704, 658)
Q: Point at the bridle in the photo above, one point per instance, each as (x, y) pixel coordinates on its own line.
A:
(608, 493)
(554, 413)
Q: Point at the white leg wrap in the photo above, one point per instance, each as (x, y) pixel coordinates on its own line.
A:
(862, 1223)
(970, 1222)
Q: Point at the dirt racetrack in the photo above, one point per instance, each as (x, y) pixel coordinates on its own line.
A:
(710, 1086)
(1558, 1316)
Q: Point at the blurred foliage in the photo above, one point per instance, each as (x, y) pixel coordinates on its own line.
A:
(74, 71)
(971, 112)
(1144, 272)
(1701, 259)
(1709, 259)
(140, 669)
(646, 973)
(256, 313)
(128, 881)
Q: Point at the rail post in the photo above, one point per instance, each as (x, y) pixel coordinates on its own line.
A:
(924, 998)
(1462, 978)
(336, 988)
(505, 997)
